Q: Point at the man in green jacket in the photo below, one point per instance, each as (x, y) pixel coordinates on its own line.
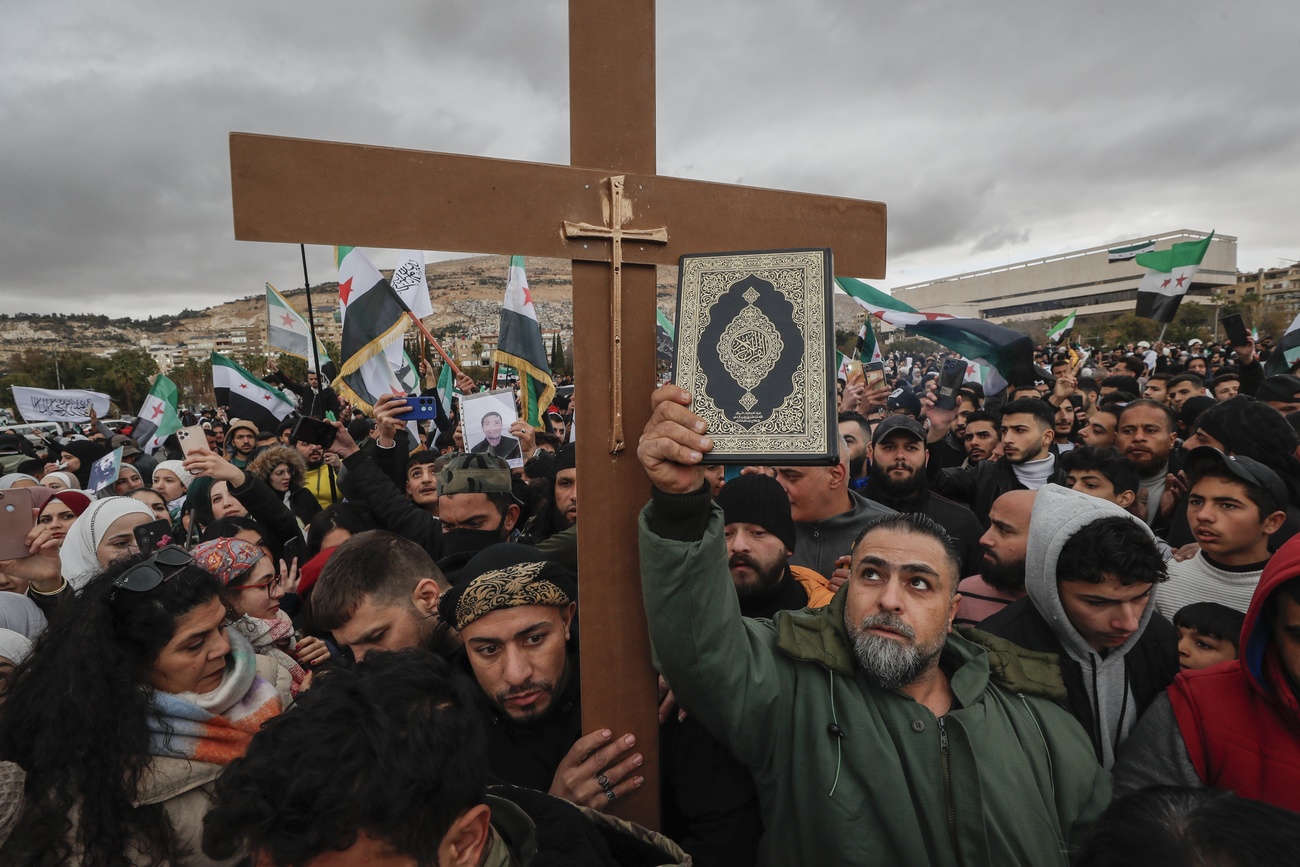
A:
(874, 733)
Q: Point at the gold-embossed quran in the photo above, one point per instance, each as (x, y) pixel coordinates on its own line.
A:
(756, 348)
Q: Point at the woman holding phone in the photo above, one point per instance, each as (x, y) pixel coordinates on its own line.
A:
(221, 490)
(156, 696)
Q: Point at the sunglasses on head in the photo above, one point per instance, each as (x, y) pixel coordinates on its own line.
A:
(145, 576)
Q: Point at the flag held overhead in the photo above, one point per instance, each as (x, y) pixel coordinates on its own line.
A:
(374, 320)
(1168, 276)
(247, 397)
(520, 345)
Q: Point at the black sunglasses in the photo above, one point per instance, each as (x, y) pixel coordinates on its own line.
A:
(145, 576)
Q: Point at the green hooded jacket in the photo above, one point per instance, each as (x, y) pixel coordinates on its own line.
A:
(848, 772)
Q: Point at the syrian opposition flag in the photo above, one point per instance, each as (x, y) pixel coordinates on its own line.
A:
(976, 372)
(1287, 351)
(1009, 354)
(519, 345)
(665, 339)
(1060, 332)
(289, 333)
(411, 284)
(446, 389)
(374, 320)
(159, 418)
(1168, 277)
(868, 348)
(247, 397)
(870, 298)
(1124, 254)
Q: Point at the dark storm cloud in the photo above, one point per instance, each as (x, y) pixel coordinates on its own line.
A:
(993, 131)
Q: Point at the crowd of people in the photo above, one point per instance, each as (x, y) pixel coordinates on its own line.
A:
(1056, 625)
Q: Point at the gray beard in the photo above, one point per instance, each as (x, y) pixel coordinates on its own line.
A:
(892, 664)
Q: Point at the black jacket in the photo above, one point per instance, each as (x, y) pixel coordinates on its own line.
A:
(979, 485)
(711, 804)
(312, 403)
(1150, 665)
(366, 480)
(959, 521)
(947, 452)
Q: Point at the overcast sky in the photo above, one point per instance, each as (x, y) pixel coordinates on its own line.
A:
(995, 132)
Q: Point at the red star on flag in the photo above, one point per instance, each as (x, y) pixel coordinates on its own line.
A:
(528, 295)
(157, 411)
(243, 385)
(266, 397)
(288, 320)
(1165, 285)
(1180, 280)
(345, 290)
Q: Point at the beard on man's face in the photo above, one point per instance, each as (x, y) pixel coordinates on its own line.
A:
(761, 578)
(892, 663)
(857, 466)
(896, 484)
(1007, 577)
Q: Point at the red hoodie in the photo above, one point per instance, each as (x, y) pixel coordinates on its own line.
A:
(1240, 720)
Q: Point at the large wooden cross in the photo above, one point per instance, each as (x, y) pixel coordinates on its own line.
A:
(615, 232)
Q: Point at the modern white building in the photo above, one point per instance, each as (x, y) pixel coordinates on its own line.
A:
(1091, 281)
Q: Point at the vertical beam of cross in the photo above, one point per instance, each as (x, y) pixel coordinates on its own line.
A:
(612, 127)
(619, 206)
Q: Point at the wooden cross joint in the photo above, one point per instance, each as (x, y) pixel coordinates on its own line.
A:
(619, 211)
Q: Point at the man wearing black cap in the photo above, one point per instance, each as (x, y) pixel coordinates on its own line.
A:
(760, 539)
(903, 401)
(1282, 392)
(1235, 504)
(897, 480)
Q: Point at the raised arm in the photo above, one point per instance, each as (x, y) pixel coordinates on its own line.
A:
(721, 666)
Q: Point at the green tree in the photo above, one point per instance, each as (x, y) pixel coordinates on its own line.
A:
(193, 380)
(128, 376)
(292, 366)
(557, 355)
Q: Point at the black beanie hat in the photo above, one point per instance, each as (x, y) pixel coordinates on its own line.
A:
(566, 458)
(760, 500)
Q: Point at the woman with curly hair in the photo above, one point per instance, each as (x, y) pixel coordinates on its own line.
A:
(155, 697)
(283, 470)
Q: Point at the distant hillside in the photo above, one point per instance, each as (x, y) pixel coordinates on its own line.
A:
(466, 296)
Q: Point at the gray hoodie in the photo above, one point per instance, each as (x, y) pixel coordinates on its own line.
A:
(1058, 514)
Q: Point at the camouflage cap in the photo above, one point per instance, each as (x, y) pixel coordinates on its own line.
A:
(474, 474)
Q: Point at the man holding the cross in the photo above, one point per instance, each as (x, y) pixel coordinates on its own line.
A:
(903, 746)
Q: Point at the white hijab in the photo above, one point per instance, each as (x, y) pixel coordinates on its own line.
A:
(77, 556)
(14, 647)
(21, 615)
(68, 479)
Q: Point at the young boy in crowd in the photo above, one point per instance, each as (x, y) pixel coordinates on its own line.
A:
(1207, 634)
(1233, 506)
(1101, 473)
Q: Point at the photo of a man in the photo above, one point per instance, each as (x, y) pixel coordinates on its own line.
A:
(496, 441)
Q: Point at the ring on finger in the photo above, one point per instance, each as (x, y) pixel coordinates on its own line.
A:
(609, 790)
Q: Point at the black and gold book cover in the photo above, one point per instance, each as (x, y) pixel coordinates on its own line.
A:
(756, 349)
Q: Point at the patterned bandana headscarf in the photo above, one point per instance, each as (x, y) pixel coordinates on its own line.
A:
(537, 583)
(228, 559)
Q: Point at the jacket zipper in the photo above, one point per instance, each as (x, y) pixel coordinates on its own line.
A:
(947, 789)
